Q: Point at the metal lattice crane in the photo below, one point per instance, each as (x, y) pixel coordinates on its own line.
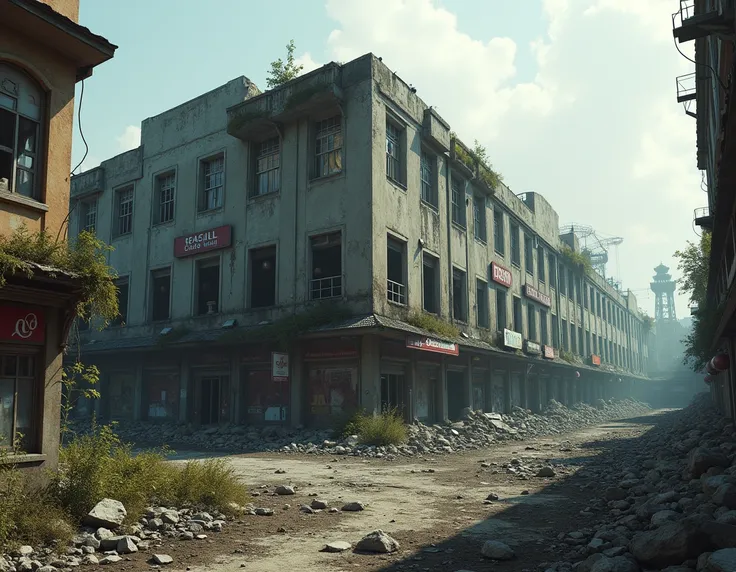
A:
(596, 247)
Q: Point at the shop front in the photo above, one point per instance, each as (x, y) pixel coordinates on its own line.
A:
(427, 353)
(396, 394)
(210, 376)
(119, 396)
(498, 391)
(265, 396)
(332, 381)
(161, 394)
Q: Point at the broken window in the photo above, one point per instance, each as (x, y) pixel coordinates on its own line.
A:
(515, 247)
(165, 191)
(122, 288)
(396, 285)
(21, 110)
(430, 283)
(498, 237)
(531, 320)
(481, 302)
(500, 309)
(427, 168)
(529, 254)
(19, 384)
(212, 182)
(267, 167)
(479, 218)
(458, 200)
(326, 266)
(208, 286)
(123, 211)
(161, 294)
(459, 296)
(263, 277)
(88, 216)
(517, 325)
(328, 147)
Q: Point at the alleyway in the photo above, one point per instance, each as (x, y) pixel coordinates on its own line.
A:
(606, 487)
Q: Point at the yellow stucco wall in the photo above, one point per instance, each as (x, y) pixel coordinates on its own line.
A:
(69, 8)
(57, 76)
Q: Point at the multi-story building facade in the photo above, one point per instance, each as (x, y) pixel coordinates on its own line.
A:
(710, 24)
(44, 53)
(330, 244)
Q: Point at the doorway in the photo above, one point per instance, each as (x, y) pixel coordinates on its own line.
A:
(211, 409)
(456, 394)
(393, 389)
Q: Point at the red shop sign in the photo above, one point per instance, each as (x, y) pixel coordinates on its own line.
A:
(330, 349)
(536, 295)
(22, 324)
(501, 275)
(198, 242)
(432, 345)
(595, 360)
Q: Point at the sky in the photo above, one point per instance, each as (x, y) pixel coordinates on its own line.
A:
(573, 99)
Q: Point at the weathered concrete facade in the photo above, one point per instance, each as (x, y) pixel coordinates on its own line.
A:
(342, 197)
(37, 79)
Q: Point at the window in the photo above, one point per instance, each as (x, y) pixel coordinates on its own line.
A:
(500, 309)
(328, 147)
(573, 340)
(515, 247)
(543, 327)
(479, 218)
(552, 271)
(430, 283)
(396, 286)
(555, 332)
(531, 320)
(585, 296)
(498, 237)
(481, 303)
(561, 275)
(393, 152)
(21, 112)
(529, 254)
(208, 286)
(122, 288)
(212, 177)
(517, 325)
(427, 167)
(263, 277)
(165, 192)
(19, 386)
(458, 200)
(88, 216)
(459, 294)
(267, 167)
(579, 291)
(123, 211)
(565, 344)
(326, 266)
(570, 284)
(540, 263)
(588, 347)
(161, 294)
(581, 350)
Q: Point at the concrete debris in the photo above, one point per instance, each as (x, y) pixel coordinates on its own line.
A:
(337, 546)
(497, 550)
(477, 430)
(108, 513)
(377, 541)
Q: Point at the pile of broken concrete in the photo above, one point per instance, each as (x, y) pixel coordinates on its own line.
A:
(477, 430)
(669, 501)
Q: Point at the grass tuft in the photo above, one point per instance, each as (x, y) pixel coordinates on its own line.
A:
(388, 428)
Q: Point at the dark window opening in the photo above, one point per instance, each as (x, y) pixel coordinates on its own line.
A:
(515, 246)
(122, 287)
(552, 271)
(481, 297)
(430, 269)
(543, 327)
(529, 254)
(393, 387)
(500, 310)
(531, 319)
(326, 279)
(540, 264)
(459, 290)
(395, 287)
(518, 327)
(457, 200)
(498, 237)
(208, 286)
(161, 295)
(479, 218)
(263, 277)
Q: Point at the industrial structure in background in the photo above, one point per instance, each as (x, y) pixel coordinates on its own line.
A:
(596, 247)
(711, 25)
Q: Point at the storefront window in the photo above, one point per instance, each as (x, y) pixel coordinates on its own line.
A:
(121, 390)
(267, 399)
(163, 396)
(333, 391)
(18, 387)
(424, 399)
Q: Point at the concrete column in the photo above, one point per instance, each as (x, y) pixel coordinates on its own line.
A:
(411, 387)
(370, 373)
(469, 383)
(184, 383)
(507, 391)
(296, 387)
(138, 393)
(441, 397)
(235, 390)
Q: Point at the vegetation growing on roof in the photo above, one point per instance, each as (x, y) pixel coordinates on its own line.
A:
(83, 258)
(576, 260)
(433, 324)
(282, 71)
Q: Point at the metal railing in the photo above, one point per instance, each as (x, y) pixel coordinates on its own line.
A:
(701, 212)
(396, 292)
(329, 287)
(685, 87)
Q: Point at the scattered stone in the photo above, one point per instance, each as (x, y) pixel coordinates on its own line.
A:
(284, 490)
(318, 504)
(353, 507)
(377, 541)
(721, 561)
(497, 550)
(264, 511)
(162, 559)
(546, 472)
(126, 545)
(107, 513)
(492, 497)
(337, 546)
(111, 559)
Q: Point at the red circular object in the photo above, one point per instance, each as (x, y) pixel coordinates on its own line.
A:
(710, 369)
(721, 362)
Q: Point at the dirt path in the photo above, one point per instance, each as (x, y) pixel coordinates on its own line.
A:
(434, 508)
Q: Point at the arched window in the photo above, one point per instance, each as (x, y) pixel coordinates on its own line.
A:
(21, 113)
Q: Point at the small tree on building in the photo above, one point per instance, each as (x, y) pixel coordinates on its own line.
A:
(282, 71)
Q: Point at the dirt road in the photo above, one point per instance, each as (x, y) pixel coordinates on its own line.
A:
(435, 508)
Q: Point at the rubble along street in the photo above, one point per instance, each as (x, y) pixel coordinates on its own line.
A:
(476, 431)
(654, 491)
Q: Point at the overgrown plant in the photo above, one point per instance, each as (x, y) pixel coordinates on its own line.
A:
(477, 161)
(433, 324)
(577, 260)
(282, 71)
(388, 428)
(78, 381)
(84, 258)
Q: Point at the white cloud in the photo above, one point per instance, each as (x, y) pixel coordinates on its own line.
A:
(307, 62)
(596, 130)
(130, 139)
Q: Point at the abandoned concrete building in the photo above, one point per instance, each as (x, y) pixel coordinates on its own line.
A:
(287, 256)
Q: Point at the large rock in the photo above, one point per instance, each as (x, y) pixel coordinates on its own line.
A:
(377, 541)
(497, 550)
(126, 545)
(725, 495)
(616, 564)
(107, 513)
(701, 459)
(721, 561)
(670, 544)
(720, 535)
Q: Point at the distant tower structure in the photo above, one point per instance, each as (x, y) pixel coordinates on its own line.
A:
(664, 292)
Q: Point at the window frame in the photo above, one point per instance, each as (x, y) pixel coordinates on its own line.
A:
(158, 205)
(502, 320)
(434, 263)
(118, 207)
(480, 220)
(258, 155)
(529, 253)
(395, 161)
(459, 206)
(320, 132)
(28, 87)
(531, 322)
(155, 273)
(258, 252)
(499, 246)
(312, 279)
(35, 355)
(430, 160)
(541, 260)
(397, 292)
(482, 309)
(515, 232)
(463, 309)
(84, 205)
(206, 262)
(202, 189)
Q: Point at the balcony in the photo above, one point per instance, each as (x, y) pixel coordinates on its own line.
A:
(685, 87)
(703, 218)
(324, 288)
(256, 117)
(689, 24)
(396, 292)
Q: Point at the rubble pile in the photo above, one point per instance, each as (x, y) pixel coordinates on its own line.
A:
(668, 501)
(476, 431)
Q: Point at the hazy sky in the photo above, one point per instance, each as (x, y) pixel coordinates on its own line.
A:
(574, 99)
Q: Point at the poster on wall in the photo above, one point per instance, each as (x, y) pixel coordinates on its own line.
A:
(279, 366)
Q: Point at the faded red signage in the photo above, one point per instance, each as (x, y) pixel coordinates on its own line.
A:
(501, 275)
(330, 349)
(432, 345)
(537, 296)
(595, 360)
(198, 242)
(548, 352)
(22, 324)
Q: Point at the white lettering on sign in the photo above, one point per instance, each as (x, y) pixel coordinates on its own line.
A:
(500, 274)
(512, 339)
(432, 345)
(534, 294)
(25, 327)
(201, 240)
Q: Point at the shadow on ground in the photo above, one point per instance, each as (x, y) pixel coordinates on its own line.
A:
(531, 523)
